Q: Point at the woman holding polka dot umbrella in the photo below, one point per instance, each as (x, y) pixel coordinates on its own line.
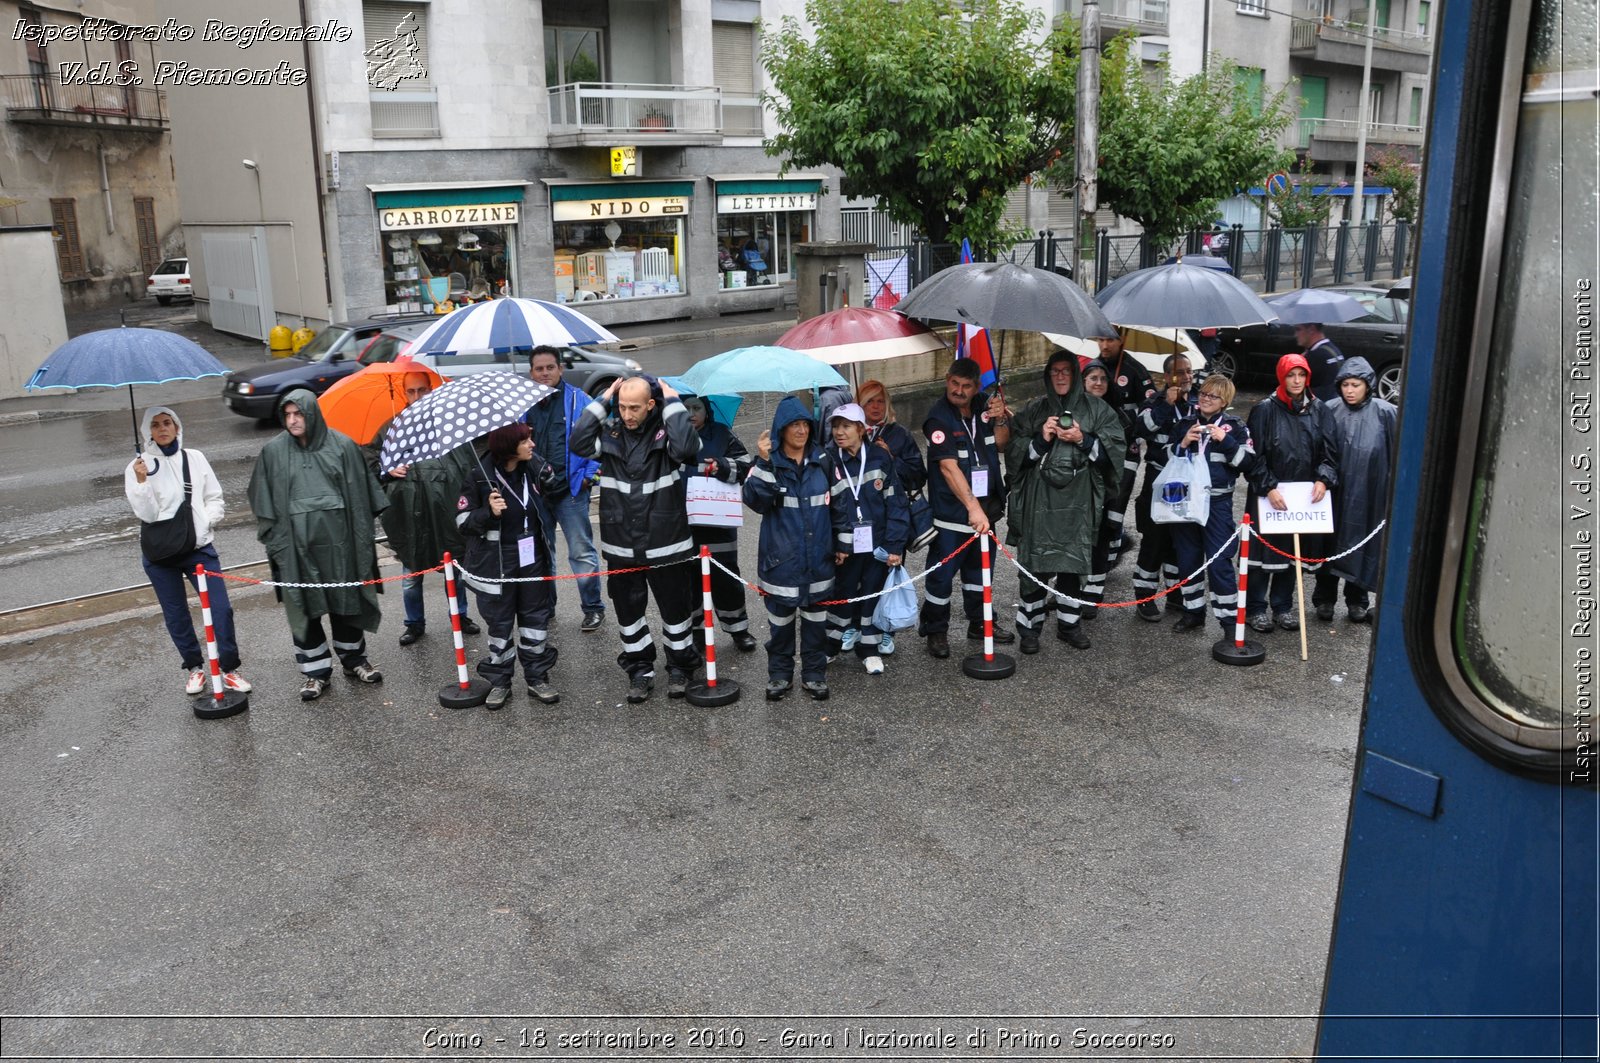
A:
(462, 410)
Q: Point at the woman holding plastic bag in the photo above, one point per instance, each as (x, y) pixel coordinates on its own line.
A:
(870, 524)
(1220, 443)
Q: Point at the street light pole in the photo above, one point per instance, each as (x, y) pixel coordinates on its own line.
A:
(1362, 118)
(1088, 139)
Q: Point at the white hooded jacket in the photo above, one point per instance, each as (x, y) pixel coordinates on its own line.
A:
(162, 491)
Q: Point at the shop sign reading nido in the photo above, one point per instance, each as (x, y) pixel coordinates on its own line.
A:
(609, 209)
(447, 217)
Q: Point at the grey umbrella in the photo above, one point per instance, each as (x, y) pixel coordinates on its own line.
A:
(1002, 295)
(1309, 306)
(1181, 296)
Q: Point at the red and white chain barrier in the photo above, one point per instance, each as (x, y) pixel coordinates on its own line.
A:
(710, 617)
(449, 566)
(1244, 582)
(1322, 560)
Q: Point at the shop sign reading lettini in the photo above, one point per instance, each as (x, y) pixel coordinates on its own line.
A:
(766, 203)
(447, 217)
(608, 209)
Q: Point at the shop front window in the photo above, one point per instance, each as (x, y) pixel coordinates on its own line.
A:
(619, 259)
(756, 250)
(438, 270)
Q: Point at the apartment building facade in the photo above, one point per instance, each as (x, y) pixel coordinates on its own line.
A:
(601, 152)
(85, 145)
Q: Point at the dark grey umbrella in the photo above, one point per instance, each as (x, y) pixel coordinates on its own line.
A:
(1182, 296)
(1002, 295)
(1312, 306)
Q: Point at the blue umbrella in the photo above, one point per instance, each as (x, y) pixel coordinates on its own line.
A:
(723, 407)
(760, 369)
(123, 357)
(1309, 306)
(504, 325)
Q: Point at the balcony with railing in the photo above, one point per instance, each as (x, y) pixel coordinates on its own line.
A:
(1335, 139)
(597, 113)
(1342, 38)
(1144, 17)
(48, 99)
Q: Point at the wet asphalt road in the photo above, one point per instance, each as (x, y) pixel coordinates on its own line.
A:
(1133, 831)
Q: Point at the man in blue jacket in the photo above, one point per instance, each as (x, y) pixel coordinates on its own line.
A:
(551, 421)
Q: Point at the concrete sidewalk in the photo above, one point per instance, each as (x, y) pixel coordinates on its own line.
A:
(237, 352)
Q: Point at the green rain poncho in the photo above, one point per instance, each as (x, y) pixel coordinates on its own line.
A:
(314, 507)
(1059, 490)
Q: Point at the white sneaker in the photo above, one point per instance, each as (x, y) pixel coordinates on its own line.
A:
(886, 645)
(874, 665)
(851, 637)
(235, 681)
(196, 683)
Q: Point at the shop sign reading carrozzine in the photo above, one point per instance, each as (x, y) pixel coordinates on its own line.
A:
(766, 203)
(619, 208)
(459, 215)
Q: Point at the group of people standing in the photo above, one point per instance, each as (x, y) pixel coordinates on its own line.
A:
(835, 501)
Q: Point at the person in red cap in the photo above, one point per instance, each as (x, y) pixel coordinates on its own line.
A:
(1295, 440)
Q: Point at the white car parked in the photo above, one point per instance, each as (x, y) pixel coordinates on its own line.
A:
(170, 281)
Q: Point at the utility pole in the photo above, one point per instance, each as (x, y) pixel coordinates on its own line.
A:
(1362, 119)
(1088, 139)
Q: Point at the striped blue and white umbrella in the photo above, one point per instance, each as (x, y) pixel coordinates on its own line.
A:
(504, 325)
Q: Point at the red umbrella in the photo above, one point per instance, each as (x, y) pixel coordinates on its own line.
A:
(860, 334)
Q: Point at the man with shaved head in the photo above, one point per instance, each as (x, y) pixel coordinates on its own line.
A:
(642, 443)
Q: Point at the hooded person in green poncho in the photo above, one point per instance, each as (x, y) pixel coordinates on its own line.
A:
(1065, 462)
(315, 499)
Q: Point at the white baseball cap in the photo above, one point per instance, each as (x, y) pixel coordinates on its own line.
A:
(849, 412)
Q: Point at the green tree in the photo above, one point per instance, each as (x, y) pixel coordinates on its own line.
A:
(937, 108)
(1170, 151)
(1390, 168)
(1294, 207)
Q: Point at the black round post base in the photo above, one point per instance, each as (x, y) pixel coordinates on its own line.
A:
(705, 696)
(232, 704)
(1227, 653)
(455, 696)
(976, 666)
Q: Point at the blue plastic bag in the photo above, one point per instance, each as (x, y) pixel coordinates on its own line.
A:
(897, 608)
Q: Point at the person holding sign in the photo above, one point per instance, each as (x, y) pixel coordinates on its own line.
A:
(1296, 441)
(1065, 459)
(871, 521)
(1368, 438)
(789, 487)
(1223, 442)
(722, 457)
(510, 535)
(966, 432)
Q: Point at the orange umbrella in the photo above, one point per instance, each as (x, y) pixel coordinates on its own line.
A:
(364, 402)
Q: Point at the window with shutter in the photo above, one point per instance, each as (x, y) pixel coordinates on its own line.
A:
(403, 100)
(69, 250)
(144, 220)
(733, 63)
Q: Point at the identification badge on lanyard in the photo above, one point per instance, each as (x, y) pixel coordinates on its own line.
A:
(980, 483)
(527, 551)
(862, 543)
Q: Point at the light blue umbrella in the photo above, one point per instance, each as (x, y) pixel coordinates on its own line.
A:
(723, 408)
(123, 357)
(1312, 306)
(747, 369)
(503, 325)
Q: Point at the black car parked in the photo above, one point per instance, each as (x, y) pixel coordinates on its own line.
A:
(1379, 336)
(335, 353)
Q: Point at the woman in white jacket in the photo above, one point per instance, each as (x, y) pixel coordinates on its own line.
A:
(154, 486)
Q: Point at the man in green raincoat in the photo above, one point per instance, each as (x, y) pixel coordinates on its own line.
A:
(315, 499)
(1065, 462)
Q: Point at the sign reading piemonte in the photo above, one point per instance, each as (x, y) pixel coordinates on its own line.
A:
(1303, 515)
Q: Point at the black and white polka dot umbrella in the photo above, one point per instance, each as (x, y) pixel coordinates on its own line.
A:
(464, 409)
